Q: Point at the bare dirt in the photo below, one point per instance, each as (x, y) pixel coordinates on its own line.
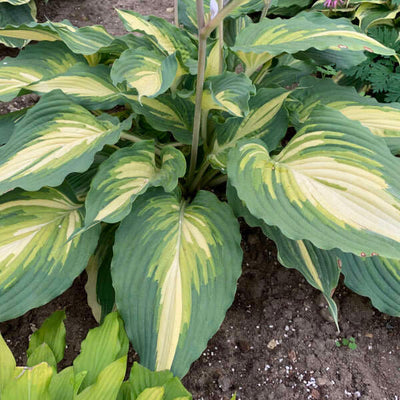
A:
(277, 341)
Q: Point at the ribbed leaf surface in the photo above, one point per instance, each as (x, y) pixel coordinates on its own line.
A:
(55, 138)
(40, 61)
(37, 262)
(89, 86)
(128, 173)
(175, 265)
(306, 30)
(334, 184)
(146, 71)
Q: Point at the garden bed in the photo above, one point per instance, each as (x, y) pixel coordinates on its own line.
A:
(277, 341)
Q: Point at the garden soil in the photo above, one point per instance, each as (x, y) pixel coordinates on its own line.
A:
(277, 341)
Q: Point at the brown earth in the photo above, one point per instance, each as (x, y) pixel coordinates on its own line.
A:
(277, 341)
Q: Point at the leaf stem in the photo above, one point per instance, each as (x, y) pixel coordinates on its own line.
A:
(130, 137)
(176, 12)
(199, 175)
(218, 180)
(204, 120)
(221, 40)
(206, 30)
(265, 9)
(199, 90)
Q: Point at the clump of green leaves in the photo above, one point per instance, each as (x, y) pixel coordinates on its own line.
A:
(349, 343)
(115, 167)
(97, 372)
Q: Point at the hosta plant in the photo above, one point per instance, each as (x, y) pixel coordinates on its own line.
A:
(121, 166)
(97, 373)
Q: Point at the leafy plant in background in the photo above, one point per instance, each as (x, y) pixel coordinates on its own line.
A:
(97, 372)
(118, 162)
(377, 75)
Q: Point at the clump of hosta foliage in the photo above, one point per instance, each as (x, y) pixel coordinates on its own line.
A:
(114, 168)
(97, 373)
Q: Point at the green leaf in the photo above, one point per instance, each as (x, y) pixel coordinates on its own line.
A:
(320, 268)
(7, 124)
(87, 40)
(175, 264)
(166, 114)
(36, 62)
(306, 30)
(62, 385)
(88, 86)
(29, 383)
(155, 393)
(370, 15)
(142, 378)
(102, 346)
(99, 289)
(163, 34)
(55, 138)
(107, 384)
(335, 184)
(266, 120)
(228, 92)
(381, 119)
(7, 364)
(52, 332)
(42, 353)
(150, 73)
(375, 277)
(15, 2)
(37, 261)
(128, 173)
(11, 15)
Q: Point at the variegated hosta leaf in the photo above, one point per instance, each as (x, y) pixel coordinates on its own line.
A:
(29, 383)
(370, 15)
(87, 40)
(164, 35)
(15, 2)
(375, 277)
(213, 59)
(7, 124)
(320, 268)
(382, 119)
(55, 138)
(175, 266)
(166, 114)
(188, 15)
(128, 173)
(89, 86)
(12, 15)
(37, 262)
(266, 120)
(334, 184)
(305, 30)
(36, 62)
(148, 72)
(228, 92)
